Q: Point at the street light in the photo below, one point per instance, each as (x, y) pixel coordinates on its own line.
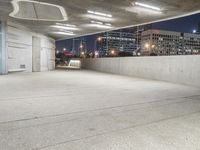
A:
(99, 39)
(81, 46)
(96, 54)
(194, 31)
(146, 45)
(112, 52)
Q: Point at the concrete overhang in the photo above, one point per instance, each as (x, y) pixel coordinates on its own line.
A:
(84, 17)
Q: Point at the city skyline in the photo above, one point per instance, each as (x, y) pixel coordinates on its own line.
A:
(185, 24)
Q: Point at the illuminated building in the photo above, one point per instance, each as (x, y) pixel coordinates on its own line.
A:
(160, 42)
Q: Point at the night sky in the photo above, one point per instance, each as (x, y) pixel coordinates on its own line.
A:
(184, 24)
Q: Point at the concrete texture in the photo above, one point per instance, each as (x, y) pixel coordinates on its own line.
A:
(3, 52)
(85, 110)
(36, 48)
(124, 13)
(176, 69)
(24, 54)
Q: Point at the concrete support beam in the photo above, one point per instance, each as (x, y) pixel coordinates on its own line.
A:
(3, 50)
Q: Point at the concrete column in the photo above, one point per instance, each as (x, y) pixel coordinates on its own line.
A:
(36, 43)
(3, 51)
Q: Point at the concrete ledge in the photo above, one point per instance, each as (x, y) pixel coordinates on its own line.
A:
(177, 69)
(16, 70)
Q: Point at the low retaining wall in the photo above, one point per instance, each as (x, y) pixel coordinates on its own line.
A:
(177, 69)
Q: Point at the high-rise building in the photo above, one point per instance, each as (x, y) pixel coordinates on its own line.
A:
(198, 28)
(119, 40)
(160, 42)
(138, 31)
(124, 40)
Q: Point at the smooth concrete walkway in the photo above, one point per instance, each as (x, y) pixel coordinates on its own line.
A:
(85, 110)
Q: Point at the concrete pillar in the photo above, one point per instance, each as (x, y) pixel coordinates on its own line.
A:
(3, 51)
(36, 54)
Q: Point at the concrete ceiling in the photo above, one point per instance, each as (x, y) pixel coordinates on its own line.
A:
(124, 13)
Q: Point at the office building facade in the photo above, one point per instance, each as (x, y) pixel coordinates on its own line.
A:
(119, 40)
(161, 42)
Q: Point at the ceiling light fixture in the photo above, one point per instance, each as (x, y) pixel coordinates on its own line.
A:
(99, 24)
(96, 22)
(108, 24)
(147, 6)
(16, 10)
(63, 33)
(99, 14)
(66, 27)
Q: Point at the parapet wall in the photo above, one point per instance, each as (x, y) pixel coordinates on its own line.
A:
(176, 69)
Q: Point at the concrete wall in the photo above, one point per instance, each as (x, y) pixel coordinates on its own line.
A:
(20, 46)
(177, 69)
(3, 51)
(47, 54)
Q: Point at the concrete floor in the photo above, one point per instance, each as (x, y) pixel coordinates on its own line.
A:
(85, 110)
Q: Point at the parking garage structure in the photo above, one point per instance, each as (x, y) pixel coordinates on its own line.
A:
(118, 103)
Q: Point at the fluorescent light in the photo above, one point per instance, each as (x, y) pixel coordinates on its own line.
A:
(63, 33)
(99, 24)
(108, 24)
(147, 6)
(64, 27)
(96, 22)
(100, 18)
(99, 13)
(67, 25)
